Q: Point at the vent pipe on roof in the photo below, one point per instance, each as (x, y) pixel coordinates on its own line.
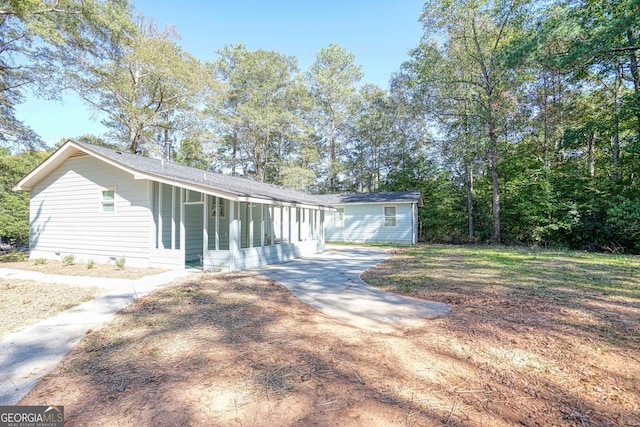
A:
(167, 150)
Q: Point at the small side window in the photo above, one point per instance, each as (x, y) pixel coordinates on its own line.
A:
(109, 200)
(338, 218)
(390, 216)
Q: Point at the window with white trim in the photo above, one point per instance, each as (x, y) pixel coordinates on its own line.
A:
(390, 216)
(108, 200)
(338, 218)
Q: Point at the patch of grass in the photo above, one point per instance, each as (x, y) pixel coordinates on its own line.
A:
(39, 261)
(521, 270)
(13, 256)
(69, 259)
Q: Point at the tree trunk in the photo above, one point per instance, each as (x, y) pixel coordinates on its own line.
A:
(615, 144)
(635, 72)
(333, 176)
(469, 173)
(591, 162)
(546, 126)
(495, 197)
(134, 138)
(234, 152)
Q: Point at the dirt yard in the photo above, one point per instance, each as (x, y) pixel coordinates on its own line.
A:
(236, 349)
(78, 268)
(24, 302)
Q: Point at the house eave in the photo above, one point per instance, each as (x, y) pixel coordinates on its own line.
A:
(70, 149)
(47, 166)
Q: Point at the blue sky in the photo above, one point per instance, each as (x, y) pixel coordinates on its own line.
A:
(378, 32)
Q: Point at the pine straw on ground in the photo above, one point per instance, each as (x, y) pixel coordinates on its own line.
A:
(78, 268)
(239, 349)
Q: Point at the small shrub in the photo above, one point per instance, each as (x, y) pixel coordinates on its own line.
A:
(90, 264)
(69, 259)
(39, 261)
(120, 263)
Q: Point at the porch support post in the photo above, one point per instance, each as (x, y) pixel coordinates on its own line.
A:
(250, 225)
(234, 234)
(183, 237)
(159, 236)
(205, 228)
(173, 217)
(217, 220)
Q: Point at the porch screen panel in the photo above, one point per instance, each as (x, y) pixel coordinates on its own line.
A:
(176, 214)
(165, 211)
(286, 224)
(304, 225)
(268, 224)
(256, 215)
(223, 224)
(314, 223)
(156, 211)
(211, 209)
(277, 224)
(245, 217)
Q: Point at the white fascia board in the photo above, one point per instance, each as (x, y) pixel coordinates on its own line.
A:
(390, 202)
(47, 166)
(276, 202)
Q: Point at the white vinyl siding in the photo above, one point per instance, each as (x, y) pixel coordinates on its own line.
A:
(65, 220)
(158, 224)
(365, 222)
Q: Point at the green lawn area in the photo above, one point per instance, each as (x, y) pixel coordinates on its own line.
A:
(556, 273)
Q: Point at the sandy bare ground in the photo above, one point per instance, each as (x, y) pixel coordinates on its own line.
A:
(79, 269)
(236, 349)
(24, 302)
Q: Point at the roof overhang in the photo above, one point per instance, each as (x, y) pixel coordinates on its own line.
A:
(51, 163)
(72, 149)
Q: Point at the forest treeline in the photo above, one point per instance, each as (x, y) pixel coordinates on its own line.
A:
(518, 120)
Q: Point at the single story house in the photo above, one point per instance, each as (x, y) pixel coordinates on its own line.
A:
(386, 217)
(100, 204)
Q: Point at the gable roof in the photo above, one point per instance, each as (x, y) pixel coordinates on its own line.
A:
(231, 187)
(382, 197)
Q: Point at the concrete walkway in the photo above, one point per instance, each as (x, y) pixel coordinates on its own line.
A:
(30, 353)
(330, 282)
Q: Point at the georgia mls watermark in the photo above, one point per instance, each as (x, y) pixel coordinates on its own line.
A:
(31, 416)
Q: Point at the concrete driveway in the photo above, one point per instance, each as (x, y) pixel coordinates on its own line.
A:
(330, 282)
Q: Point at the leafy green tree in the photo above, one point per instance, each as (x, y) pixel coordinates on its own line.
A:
(36, 37)
(14, 206)
(332, 79)
(293, 175)
(370, 132)
(191, 153)
(471, 64)
(261, 119)
(142, 88)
